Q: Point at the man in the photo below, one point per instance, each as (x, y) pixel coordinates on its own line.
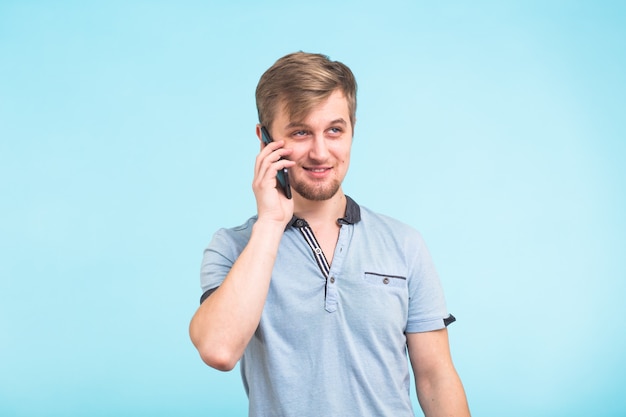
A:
(317, 297)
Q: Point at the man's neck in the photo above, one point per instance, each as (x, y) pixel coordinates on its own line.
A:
(321, 213)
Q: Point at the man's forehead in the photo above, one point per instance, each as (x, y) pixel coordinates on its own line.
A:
(297, 114)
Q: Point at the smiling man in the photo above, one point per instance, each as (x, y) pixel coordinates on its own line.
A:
(318, 298)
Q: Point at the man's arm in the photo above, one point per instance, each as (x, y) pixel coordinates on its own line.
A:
(439, 389)
(225, 322)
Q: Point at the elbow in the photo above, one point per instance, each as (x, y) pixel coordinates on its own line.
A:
(213, 349)
(216, 355)
(220, 360)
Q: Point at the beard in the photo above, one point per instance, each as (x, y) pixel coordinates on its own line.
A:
(317, 192)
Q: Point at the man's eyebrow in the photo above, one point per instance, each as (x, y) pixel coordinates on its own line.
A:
(339, 121)
(291, 125)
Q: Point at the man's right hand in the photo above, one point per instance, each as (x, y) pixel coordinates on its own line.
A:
(272, 205)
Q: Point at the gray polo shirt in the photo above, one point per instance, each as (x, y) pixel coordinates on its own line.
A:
(331, 340)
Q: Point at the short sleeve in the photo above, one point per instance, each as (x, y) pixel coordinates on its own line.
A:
(220, 255)
(427, 305)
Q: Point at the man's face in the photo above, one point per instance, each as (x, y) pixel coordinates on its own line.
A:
(321, 147)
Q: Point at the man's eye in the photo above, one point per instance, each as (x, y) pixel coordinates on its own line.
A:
(299, 133)
(335, 130)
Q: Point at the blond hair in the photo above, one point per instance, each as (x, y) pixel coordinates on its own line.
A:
(299, 81)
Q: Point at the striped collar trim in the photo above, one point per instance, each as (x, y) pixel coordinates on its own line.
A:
(352, 216)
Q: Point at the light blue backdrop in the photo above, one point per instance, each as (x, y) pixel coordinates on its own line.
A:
(127, 137)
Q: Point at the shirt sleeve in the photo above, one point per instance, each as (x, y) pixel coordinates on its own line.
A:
(215, 262)
(427, 305)
(219, 257)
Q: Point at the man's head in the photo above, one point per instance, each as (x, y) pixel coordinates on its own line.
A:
(300, 81)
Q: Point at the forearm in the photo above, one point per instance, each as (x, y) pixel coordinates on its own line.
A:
(227, 319)
(442, 395)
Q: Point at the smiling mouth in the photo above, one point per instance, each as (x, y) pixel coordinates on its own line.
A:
(317, 169)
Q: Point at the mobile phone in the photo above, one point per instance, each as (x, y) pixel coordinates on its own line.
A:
(282, 176)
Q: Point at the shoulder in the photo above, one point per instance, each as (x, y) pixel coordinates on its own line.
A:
(233, 237)
(381, 223)
(385, 234)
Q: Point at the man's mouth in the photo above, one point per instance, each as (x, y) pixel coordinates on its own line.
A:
(318, 172)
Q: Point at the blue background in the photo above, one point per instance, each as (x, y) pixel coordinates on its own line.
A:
(127, 138)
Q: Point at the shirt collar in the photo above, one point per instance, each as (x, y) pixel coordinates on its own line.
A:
(353, 212)
(352, 216)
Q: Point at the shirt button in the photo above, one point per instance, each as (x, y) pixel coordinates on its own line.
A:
(332, 280)
(386, 281)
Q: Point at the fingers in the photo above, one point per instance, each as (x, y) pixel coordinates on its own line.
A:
(273, 148)
(269, 160)
(272, 204)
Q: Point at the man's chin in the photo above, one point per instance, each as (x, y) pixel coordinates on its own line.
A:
(316, 193)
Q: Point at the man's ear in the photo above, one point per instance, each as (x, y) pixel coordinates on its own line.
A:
(258, 132)
(260, 136)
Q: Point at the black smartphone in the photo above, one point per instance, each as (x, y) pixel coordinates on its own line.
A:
(282, 176)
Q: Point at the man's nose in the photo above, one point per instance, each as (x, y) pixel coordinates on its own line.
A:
(319, 148)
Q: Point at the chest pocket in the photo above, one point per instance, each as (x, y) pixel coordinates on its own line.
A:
(384, 280)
